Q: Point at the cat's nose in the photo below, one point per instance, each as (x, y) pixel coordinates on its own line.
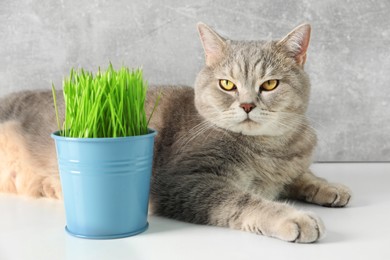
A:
(247, 107)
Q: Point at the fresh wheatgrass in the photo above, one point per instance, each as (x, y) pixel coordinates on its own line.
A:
(108, 104)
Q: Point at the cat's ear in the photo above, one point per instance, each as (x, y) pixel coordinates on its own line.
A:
(213, 44)
(297, 42)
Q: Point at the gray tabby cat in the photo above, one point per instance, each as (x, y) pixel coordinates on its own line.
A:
(226, 152)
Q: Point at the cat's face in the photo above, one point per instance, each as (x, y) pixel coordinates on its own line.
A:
(253, 88)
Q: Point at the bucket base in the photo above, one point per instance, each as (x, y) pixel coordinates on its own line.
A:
(109, 236)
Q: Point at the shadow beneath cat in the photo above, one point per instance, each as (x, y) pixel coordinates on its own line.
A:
(159, 224)
(333, 237)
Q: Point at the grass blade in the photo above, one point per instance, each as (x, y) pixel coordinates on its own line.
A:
(110, 103)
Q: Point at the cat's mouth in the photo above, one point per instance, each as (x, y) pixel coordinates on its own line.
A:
(248, 121)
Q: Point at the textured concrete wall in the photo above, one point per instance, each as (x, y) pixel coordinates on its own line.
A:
(349, 56)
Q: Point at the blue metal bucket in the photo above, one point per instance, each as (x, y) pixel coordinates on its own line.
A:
(105, 184)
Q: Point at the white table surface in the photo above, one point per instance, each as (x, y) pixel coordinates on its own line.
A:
(34, 229)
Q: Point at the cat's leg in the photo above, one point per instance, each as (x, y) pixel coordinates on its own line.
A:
(15, 173)
(313, 189)
(48, 167)
(51, 187)
(213, 200)
(20, 172)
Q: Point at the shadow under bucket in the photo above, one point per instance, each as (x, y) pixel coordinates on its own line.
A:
(105, 184)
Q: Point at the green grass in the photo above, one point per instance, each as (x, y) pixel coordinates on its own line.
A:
(110, 103)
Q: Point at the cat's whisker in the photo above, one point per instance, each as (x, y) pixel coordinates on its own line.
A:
(292, 127)
(196, 130)
(193, 130)
(194, 133)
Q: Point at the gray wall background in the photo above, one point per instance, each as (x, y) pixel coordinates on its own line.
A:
(348, 59)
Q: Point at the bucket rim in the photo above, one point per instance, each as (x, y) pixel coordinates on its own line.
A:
(151, 133)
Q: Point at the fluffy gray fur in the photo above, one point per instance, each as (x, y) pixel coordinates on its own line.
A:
(215, 163)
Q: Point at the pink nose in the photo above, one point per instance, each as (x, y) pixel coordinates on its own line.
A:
(247, 107)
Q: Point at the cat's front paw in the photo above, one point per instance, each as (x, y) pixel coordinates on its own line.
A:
(300, 227)
(332, 195)
(51, 188)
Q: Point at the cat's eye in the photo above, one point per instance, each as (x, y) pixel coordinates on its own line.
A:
(269, 85)
(227, 85)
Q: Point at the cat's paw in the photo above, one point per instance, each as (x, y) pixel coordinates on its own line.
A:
(300, 227)
(332, 195)
(51, 188)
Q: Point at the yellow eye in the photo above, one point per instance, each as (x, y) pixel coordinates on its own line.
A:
(227, 85)
(269, 85)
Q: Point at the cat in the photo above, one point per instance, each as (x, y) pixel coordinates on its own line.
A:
(228, 152)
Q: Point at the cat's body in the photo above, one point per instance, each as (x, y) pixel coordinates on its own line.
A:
(224, 154)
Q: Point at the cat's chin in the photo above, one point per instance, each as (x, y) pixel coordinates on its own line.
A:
(252, 128)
